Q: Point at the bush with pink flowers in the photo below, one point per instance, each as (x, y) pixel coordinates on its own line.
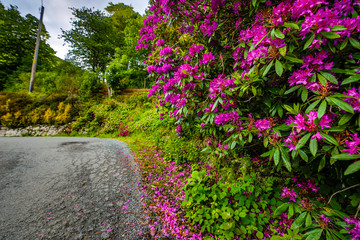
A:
(271, 79)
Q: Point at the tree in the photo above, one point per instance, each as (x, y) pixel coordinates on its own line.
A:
(121, 15)
(127, 68)
(17, 42)
(92, 38)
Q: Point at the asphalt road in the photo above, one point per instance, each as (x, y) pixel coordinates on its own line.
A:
(69, 188)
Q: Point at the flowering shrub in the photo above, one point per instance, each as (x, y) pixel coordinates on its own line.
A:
(199, 202)
(276, 78)
(123, 130)
(286, 71)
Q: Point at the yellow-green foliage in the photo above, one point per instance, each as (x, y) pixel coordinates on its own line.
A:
(63, 113)
(36, 115)
(22, 109)
(7, 119)
(49, 117)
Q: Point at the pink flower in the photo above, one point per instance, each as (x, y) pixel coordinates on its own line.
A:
(291, 194)
(317, 136)
(352, 146)
(262, 124)
(354, 228)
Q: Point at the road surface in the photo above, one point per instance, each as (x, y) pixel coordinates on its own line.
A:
(69, 188)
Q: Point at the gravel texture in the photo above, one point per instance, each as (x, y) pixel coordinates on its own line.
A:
(69, 188)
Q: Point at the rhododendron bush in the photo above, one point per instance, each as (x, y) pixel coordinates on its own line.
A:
(278, 79)
(284, 74)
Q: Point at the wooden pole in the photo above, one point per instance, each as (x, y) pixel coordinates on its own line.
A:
(33, 70)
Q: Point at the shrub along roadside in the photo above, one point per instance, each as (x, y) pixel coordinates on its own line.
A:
(194, 198)
(22, 109)
(267, 79)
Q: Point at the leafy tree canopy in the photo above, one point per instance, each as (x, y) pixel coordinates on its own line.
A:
(92, 38)
(17, 42)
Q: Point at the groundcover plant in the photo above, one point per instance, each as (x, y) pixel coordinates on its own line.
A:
(272, 88)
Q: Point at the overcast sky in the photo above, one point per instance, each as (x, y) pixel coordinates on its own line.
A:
(57, 14)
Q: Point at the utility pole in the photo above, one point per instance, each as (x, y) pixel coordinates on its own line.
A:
(33, 70)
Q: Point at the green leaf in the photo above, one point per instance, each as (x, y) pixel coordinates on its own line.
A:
(322, 109)
(328, 235)
(279, 34)
(309, 41)
(299, 221)
(344, 44)
(226, 225)
(337, 28)
(308, 220)
(322, 163)
(314, 234)
(342, 104)
(329, 139)
(322, 79)
(291, 25)
(226, 215)
(352, 168)
(278, 68)
(336, 129)
(265, 154)
(330, 35)
(282, 51)
(289, 109)
(313, 146)
(293, 59)
(291, 211)
(259, 235)
(215, 104)
(303, 141)
(345, 156)
(339, 235)
(276, 156)
(304, 94)
(329, 77)
(346, 71)
(285, 158)
(351, 79)
(268, 67)
(292, 89)
(345, 118)
(312, 106)
(233, 144)
(303, 155)
(281, 209)
(355, 43)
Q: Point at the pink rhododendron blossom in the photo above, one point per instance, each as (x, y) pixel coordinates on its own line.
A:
(291, 194)
(160, 42)
(301, 124)
(207, 57)
(208, 27)
(227, 118)
(195, 49)
(219, 84)
(354, 101)
(166, 51)
(353, 146)
(354, 228)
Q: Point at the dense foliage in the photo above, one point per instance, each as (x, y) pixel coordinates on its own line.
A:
(105, 44)
(22, 110)
(17, 43)
(275, 80)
